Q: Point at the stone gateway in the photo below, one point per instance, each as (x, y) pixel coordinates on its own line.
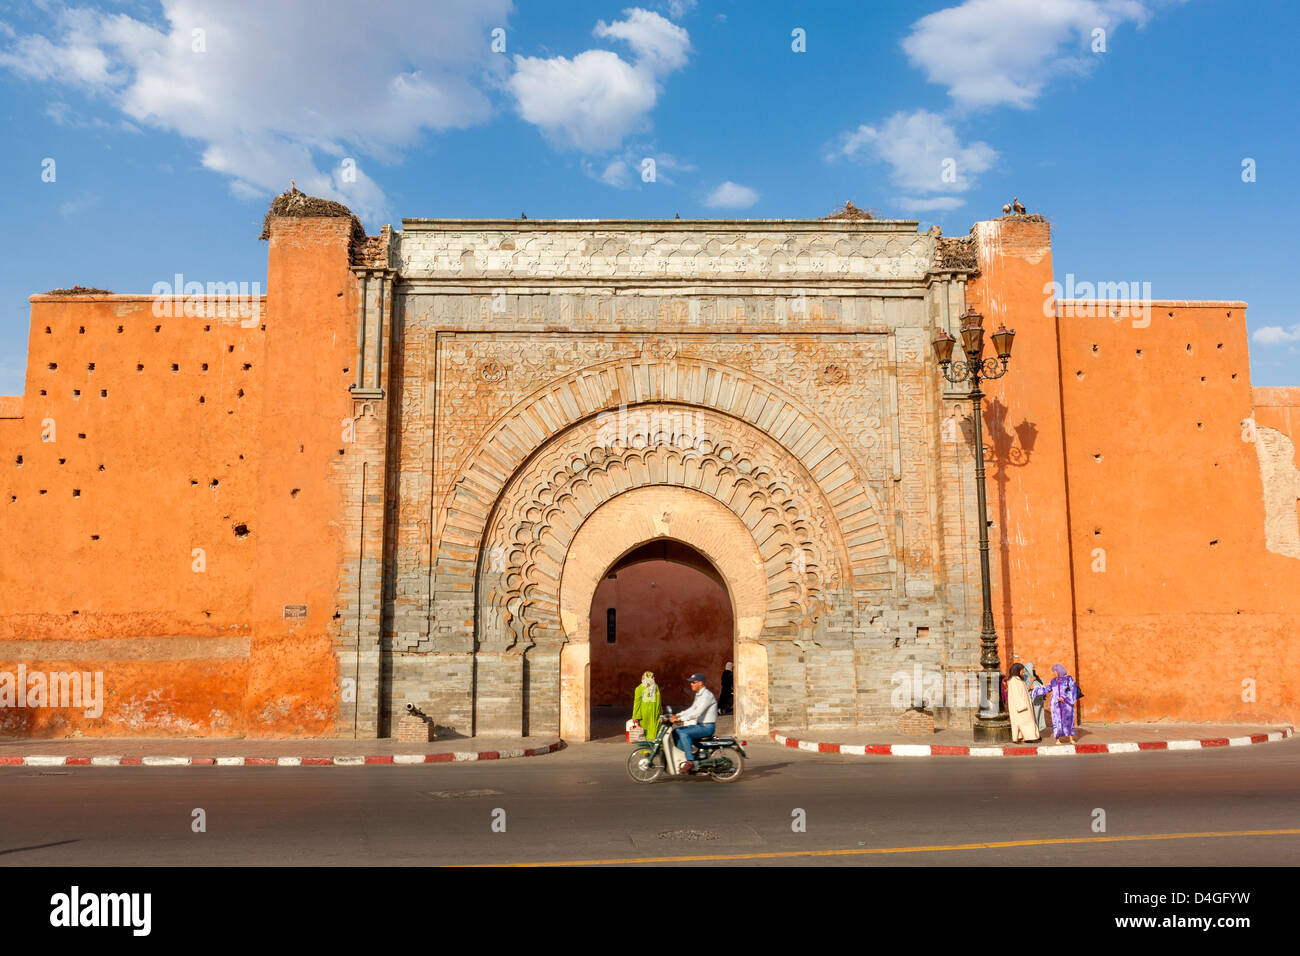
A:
(441, 443)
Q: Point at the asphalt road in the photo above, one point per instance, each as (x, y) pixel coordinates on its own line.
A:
(579, 805)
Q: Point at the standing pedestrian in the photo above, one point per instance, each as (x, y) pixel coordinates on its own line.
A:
(1063, 694)
(645, 705)
(726, 691)
(1033, 681)
(1020, 707)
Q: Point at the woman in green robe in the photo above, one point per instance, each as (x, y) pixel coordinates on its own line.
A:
(645, 705)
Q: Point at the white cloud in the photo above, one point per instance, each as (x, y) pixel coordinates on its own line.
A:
(923, 151)
(1003, 52)
(1276, 334)
(731, 195)
(282, 90)
(595, 100)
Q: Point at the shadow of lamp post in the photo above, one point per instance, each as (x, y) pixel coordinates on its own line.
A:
(992, 725)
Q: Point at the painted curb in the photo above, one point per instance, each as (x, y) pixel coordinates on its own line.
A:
(387, 760)
(1024, 750)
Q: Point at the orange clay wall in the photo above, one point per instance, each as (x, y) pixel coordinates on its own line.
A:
(1127, 500)
(181, 500)
(1183, 612)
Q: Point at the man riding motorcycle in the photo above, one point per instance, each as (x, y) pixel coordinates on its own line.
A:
(695, 721)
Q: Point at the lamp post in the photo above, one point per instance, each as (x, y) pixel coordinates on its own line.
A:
(992, 725)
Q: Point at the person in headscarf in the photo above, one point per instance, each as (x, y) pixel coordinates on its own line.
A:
(645, 705)
(728, 685)
(1020, 708)
(1063, 694)
(1033, 681)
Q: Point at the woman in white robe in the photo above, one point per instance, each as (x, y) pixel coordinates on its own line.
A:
(1020, 708)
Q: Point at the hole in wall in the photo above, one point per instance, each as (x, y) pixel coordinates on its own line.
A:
(53, 366)
(47, 330)
(43, 391)
(239, 394)
(81, 330)
(90, 367)
(94, 537)
(1095, 348)
(42, 491)
(139, 366)
(241, 530)
(230, 348)
(157, 328)
(1214, 543)
(18, 462)
(81, 434)
(1096, 457)
(202, 400)
(294, 492)
(119, 330)
(101, 467)
(76, 393)
(247, 366)
(1200, 426)
(213, 483)
(63, 461)
(103, 393)
(203, 367)
(76, 492)
(175, 367)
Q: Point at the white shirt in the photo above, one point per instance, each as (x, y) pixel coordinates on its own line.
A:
(703, 710)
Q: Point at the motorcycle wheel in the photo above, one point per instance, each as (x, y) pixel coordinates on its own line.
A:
(737, 765)
(641, 769)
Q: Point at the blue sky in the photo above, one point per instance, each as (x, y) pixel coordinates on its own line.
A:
(168, 143)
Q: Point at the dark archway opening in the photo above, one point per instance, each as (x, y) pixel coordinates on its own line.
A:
(663, 608)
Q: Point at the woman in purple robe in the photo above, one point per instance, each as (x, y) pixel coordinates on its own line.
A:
(1064, 693)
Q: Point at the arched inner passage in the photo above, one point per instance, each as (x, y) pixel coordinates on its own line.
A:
(664, 608)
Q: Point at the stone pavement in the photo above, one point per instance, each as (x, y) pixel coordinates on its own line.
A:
(1092, 738)
(283, 752)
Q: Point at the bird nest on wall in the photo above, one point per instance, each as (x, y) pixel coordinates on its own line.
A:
(79, 290)
(959, 252)
(1025, 217)
(295, 203)
(850, 211)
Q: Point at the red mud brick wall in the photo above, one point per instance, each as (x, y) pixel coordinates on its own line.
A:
(101, 524)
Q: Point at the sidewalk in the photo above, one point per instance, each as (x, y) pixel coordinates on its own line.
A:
(1091, 739)
(243, 752)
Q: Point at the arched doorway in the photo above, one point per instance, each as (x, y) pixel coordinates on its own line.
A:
(662, 607)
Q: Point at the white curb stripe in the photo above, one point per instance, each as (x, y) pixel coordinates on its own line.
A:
(165, 761)
(288, 762)
(349, 761)
(230, 761)
(1184, 745)
(1054, 751)
(464, 756)
(1276, 736)
(43, 761)
(910, 750)
(1122, 748)
(105, 761)
(1238, 741)
(805, 745)
(857, 750)
(986, 752)
(408, 758)
(505, 754)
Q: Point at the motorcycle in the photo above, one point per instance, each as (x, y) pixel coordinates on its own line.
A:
(722, 758)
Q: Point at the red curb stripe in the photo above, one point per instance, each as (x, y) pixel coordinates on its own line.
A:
(202, 761)
(318, 761)
(380, 759)
(78, 761)
(878, 749)
(132, 762)
(1215, 742)
(1019, 751)
(261, 762)
(1259, 738)
(1153, 745)
(943, 750)
(439, 758)
(11, 761)
(828, 748)
(791, 742)
(1092, 748)
(488, 755)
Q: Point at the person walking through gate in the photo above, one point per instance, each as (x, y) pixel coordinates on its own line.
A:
(645, 705)
(725, 693)
(696, 721)
(1020, 707)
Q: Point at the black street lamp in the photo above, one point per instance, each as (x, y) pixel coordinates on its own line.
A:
(992, 725)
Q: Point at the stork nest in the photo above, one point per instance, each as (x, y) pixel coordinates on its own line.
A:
(295, 203)
(959, 252)
(79, 290)
(1024, 217)
(850, 211)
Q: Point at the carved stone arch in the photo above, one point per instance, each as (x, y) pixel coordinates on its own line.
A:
(609, 393)
(769, 492)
